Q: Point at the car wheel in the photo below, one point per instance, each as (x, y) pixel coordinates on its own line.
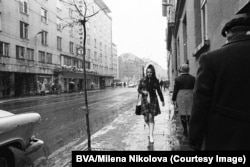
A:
(6, 158)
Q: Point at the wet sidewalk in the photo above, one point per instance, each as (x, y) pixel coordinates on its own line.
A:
(129, 133)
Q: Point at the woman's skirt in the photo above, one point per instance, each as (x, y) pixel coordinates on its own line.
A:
(185, 101)
(152, 107)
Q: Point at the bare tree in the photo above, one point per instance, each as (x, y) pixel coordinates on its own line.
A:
(84, 15)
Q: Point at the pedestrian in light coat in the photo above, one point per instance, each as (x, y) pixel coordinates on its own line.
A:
(221, 109)
(149, 103)
(43, 88)
(183, 95)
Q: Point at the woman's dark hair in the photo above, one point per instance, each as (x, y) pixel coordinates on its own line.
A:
(151, 67)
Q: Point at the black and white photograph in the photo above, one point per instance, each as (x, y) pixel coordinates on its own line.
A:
(124, 76)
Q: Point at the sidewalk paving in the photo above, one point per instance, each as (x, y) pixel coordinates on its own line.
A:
(128, 133)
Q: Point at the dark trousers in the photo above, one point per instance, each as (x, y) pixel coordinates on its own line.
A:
(185, 122)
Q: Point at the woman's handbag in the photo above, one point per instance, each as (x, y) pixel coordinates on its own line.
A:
(138, 106)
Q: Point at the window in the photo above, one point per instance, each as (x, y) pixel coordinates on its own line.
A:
(59, 23)
(59, 43)
(95, 56)
(19, 52)
(100, 59)
(87, 26)
(70, 12)
(41, 57)
(23, 6)
(88, 53)
(44, 15)
(24, 30)
(59, 5)
(87, 65)
(67, 61)
(95, 43)
(49, 58)
(80, 64)
(71, 47)
(88, 39)
(30, 54)
(71, 31)
(204, 19)
(4, 49)
(44, 36)
(100, 46)
(75, 63)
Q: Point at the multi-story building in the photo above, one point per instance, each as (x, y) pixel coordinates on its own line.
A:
(38, 45)
(197, 29)
(168, 11)
(114, 61)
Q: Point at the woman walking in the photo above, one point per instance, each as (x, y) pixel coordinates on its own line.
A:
(149, 104)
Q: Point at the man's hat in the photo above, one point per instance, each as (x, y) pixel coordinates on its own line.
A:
(241, 19)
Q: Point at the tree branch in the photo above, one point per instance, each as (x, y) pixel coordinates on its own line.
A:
(68, 3)
(86, 8)
(79, 11)
(95, 13)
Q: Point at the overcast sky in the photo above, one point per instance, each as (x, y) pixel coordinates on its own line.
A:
(139, 28)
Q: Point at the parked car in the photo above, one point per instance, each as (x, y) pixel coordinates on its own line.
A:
(131, 85)
(16, 137)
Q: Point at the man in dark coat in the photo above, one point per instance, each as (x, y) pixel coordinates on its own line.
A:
(221, 108)
(183, 95)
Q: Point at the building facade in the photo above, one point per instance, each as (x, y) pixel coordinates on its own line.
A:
(114, 61)
(196, 29)
(38, 44)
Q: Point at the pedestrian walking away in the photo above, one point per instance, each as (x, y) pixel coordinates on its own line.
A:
(43, 88)
(220, 114)
(149, 103)
(161, 84)
(183, 96)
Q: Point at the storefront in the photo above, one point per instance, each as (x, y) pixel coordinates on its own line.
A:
(5, 84)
